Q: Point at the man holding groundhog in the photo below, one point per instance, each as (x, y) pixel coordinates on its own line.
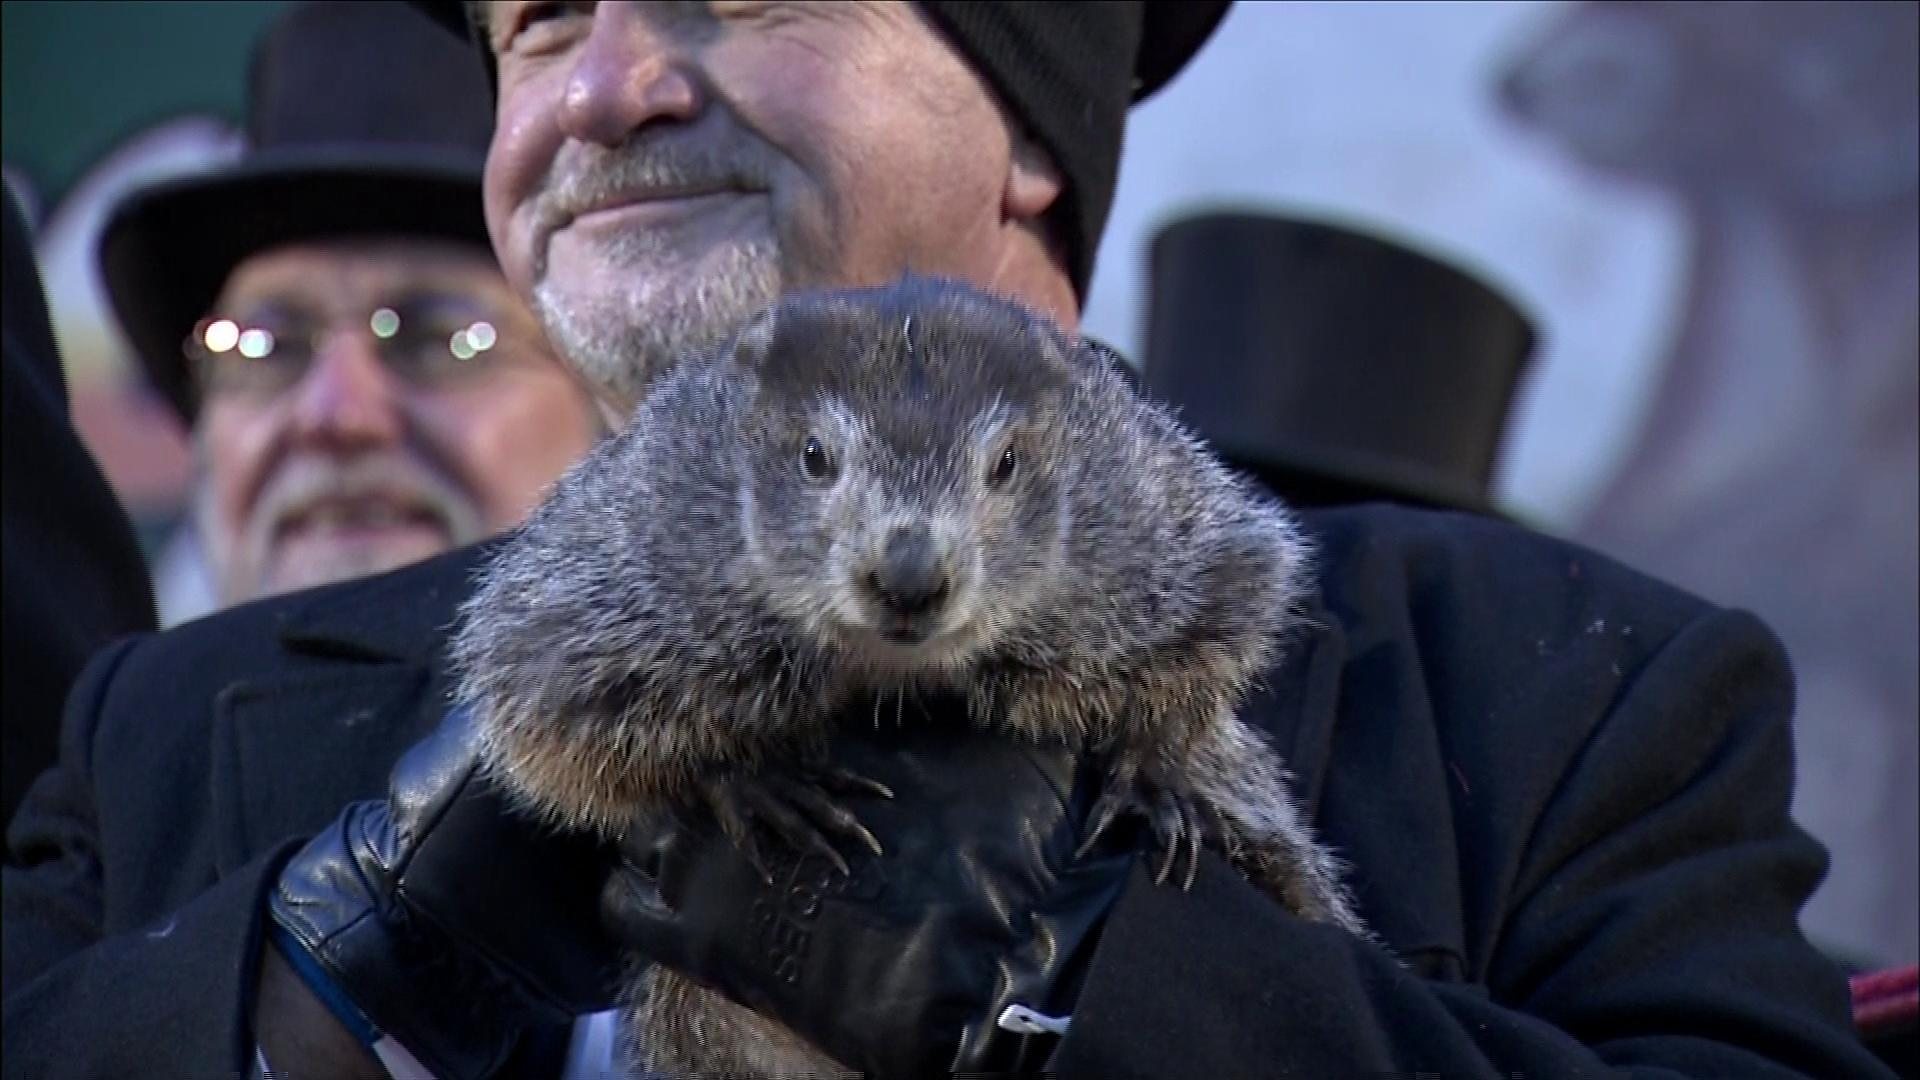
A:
(1562, 787)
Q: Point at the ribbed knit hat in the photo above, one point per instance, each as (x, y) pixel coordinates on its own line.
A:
(1068, 69)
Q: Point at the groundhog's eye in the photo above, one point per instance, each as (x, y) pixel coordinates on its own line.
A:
(814, 459)
(1003, 467)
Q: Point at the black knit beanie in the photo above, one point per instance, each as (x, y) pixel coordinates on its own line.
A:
(1065, 70)
(1068, 69)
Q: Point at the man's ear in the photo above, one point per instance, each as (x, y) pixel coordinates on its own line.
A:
(1033, 181)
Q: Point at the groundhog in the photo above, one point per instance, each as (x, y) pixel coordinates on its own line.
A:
(906, 489)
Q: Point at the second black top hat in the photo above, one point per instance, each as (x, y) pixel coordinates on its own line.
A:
(1335, 365)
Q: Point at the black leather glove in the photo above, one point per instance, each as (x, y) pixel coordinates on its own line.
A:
(905, 968)
(452, 921)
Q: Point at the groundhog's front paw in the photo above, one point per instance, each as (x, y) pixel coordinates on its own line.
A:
(1181, 825)
(792, 807)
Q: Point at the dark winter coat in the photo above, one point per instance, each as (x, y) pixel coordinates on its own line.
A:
(1563, 788)
(71, 574)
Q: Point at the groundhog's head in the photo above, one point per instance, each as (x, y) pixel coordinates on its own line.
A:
(903, 472)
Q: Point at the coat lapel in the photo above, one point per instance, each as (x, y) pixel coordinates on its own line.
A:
(362, 681)
(1336, 695)
(1297, 703)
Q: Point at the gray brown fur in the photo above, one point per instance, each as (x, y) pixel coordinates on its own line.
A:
(684, 604)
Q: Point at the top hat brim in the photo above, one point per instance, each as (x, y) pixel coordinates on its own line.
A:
(1307, 476)
(167, 249)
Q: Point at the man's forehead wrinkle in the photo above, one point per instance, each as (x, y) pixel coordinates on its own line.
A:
(304, 284)
(363, 277)
(799, 22)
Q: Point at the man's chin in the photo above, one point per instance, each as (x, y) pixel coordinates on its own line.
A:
(619, 323)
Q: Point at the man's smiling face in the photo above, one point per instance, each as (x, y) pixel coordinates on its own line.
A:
(357, 439)
(661, 170)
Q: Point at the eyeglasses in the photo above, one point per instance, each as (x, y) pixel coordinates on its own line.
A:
(425, 342)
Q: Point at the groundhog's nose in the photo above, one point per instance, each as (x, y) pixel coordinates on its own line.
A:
(910, 577)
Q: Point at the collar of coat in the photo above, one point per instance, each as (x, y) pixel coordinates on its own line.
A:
(404, 615)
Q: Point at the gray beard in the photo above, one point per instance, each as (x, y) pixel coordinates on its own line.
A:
(620, 338)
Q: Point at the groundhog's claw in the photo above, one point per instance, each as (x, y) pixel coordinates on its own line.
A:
(1119, 794)
(1195, 824)
(794, 808)
(1180, 826)
(1170, 827)
(845, 782)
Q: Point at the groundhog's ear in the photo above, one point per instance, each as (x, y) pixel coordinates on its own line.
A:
(1089, 355)
(755, 341)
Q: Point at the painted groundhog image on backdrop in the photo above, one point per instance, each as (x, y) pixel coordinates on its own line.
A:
(897, 490)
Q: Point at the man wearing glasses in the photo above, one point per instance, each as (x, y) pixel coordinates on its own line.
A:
(363, 389)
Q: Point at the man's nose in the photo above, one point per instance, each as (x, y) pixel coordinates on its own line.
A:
(347, 397)
(633, 70)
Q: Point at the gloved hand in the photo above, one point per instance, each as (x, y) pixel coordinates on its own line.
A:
(904, 969)
(451, 920)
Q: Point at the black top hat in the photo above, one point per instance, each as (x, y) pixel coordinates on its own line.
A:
(1334, 365)
(363, 118)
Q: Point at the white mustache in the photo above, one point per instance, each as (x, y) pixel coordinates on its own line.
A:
(306, 482)
(585, 177)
